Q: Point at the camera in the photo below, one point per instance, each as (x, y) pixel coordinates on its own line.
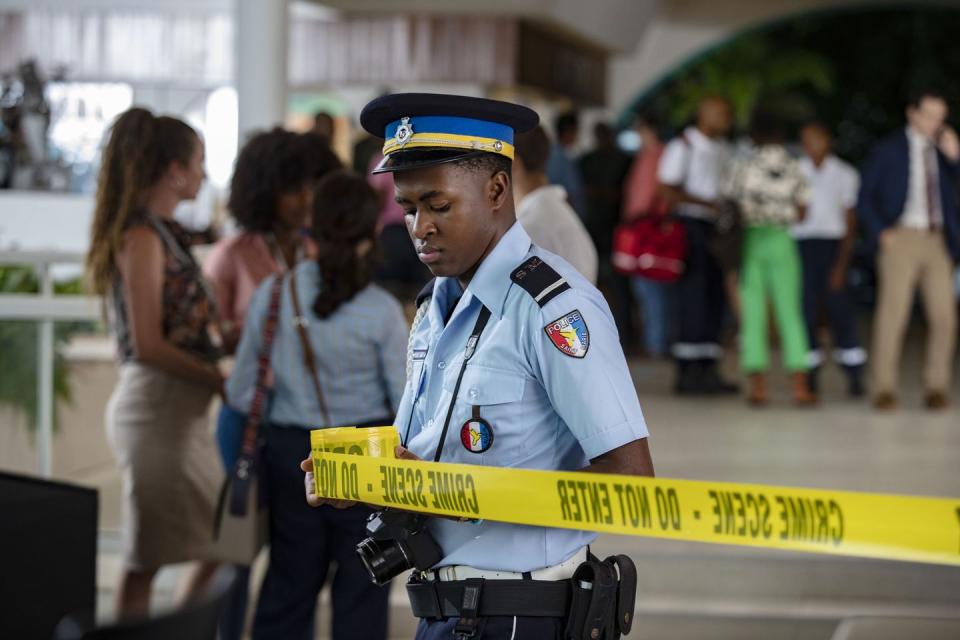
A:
(398, 540)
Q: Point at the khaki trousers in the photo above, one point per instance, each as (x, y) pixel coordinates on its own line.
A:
(914, 258)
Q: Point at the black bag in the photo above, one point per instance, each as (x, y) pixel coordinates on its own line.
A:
(242, 522)
(726, 241)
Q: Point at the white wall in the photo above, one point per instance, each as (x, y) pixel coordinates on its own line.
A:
(40, 221)
(614, 24)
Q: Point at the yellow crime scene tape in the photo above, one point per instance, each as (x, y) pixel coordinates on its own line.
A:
(359, 466)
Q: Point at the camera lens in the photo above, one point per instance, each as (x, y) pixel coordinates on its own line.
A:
(383, 559)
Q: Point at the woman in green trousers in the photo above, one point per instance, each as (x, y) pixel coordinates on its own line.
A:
(771, 191)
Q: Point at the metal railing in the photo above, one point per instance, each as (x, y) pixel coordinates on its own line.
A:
(45, 308)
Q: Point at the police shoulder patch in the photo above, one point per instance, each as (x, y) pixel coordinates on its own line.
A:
(569, 334)
(539, 279)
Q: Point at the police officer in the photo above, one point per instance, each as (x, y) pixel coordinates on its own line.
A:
(542, 384)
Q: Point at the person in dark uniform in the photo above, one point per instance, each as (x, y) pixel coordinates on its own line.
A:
(825, 239)
(691, 170)
(543, 385)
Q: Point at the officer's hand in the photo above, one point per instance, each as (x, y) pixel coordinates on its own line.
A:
(402, 453)
(311, 489)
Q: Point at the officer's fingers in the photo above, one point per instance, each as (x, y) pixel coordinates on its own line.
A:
(311, 491)
(306, 465)
(341, 504)
(402, 453)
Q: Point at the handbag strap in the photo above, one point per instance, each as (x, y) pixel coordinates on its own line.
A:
(300, 322)
(246, 461)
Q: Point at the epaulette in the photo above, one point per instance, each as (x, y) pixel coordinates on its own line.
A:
(539, 279)
(426, 293)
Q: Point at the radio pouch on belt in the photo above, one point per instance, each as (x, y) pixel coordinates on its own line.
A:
(626, 591)
(603, 597)
(593, 602)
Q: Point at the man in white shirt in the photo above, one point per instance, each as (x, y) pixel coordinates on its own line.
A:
(543, 210)
(908, 208)
(825, 240)
(690, 175)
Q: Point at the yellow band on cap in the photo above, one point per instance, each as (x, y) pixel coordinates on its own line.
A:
(450, 140)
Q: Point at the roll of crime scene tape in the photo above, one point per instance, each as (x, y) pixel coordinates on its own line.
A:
(895, 527)
(377, 442)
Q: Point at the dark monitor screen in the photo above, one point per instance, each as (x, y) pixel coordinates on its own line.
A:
(48, 554)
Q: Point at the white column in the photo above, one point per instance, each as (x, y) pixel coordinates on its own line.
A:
(45, 395)
(260, 70)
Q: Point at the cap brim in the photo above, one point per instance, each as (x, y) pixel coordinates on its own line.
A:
(422, 158)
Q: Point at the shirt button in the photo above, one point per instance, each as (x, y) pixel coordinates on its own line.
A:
(472, 393)
(442, 364)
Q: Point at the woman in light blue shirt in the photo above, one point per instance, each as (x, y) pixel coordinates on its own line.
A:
(358, 335)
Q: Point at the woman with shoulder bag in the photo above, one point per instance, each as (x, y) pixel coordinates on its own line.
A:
(338, 359)
(271, 194)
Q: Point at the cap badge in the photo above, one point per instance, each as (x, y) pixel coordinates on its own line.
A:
(404, 131)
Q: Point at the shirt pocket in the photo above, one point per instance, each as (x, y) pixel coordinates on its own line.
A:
(496, 396)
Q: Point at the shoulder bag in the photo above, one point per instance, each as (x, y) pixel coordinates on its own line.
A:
(301, 322)
(241, 527)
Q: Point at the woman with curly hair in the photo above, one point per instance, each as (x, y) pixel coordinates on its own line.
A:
(357, 335)
(271, 193)
(270, 197)
(140, 262)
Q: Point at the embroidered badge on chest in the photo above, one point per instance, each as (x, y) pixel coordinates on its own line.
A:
(476, 435)
(569, 334)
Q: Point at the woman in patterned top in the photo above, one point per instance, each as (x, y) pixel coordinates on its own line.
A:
(140, 261)
(771, 191)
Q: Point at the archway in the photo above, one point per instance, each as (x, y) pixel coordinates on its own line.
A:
(850, 67)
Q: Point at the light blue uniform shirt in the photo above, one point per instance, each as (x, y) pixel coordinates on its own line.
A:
(359, 352)
(547, 409)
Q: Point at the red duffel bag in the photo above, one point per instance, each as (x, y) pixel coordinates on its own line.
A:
(654, 247)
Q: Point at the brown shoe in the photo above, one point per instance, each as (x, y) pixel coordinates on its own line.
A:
(884, 401)
(936, 400)
(758, 390)
(802, 396)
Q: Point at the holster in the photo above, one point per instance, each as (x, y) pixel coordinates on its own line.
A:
(603, 596)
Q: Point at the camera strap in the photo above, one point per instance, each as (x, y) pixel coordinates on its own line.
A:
(467, 354)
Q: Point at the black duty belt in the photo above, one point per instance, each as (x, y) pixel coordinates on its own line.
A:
(529, 598)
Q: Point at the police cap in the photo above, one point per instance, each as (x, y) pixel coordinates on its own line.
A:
(425, 129)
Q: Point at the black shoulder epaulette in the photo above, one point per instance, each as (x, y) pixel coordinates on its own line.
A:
(539, 280)
(426, 292)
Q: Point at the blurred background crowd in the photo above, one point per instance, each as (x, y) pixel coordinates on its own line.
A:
(747, 184)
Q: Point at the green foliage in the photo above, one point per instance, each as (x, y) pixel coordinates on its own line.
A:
(19, 342)
(749, 69)
(850, 67)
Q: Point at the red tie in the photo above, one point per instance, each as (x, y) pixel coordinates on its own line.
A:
(933, 187)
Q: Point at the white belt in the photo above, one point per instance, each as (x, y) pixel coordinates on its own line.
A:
(561, 571)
